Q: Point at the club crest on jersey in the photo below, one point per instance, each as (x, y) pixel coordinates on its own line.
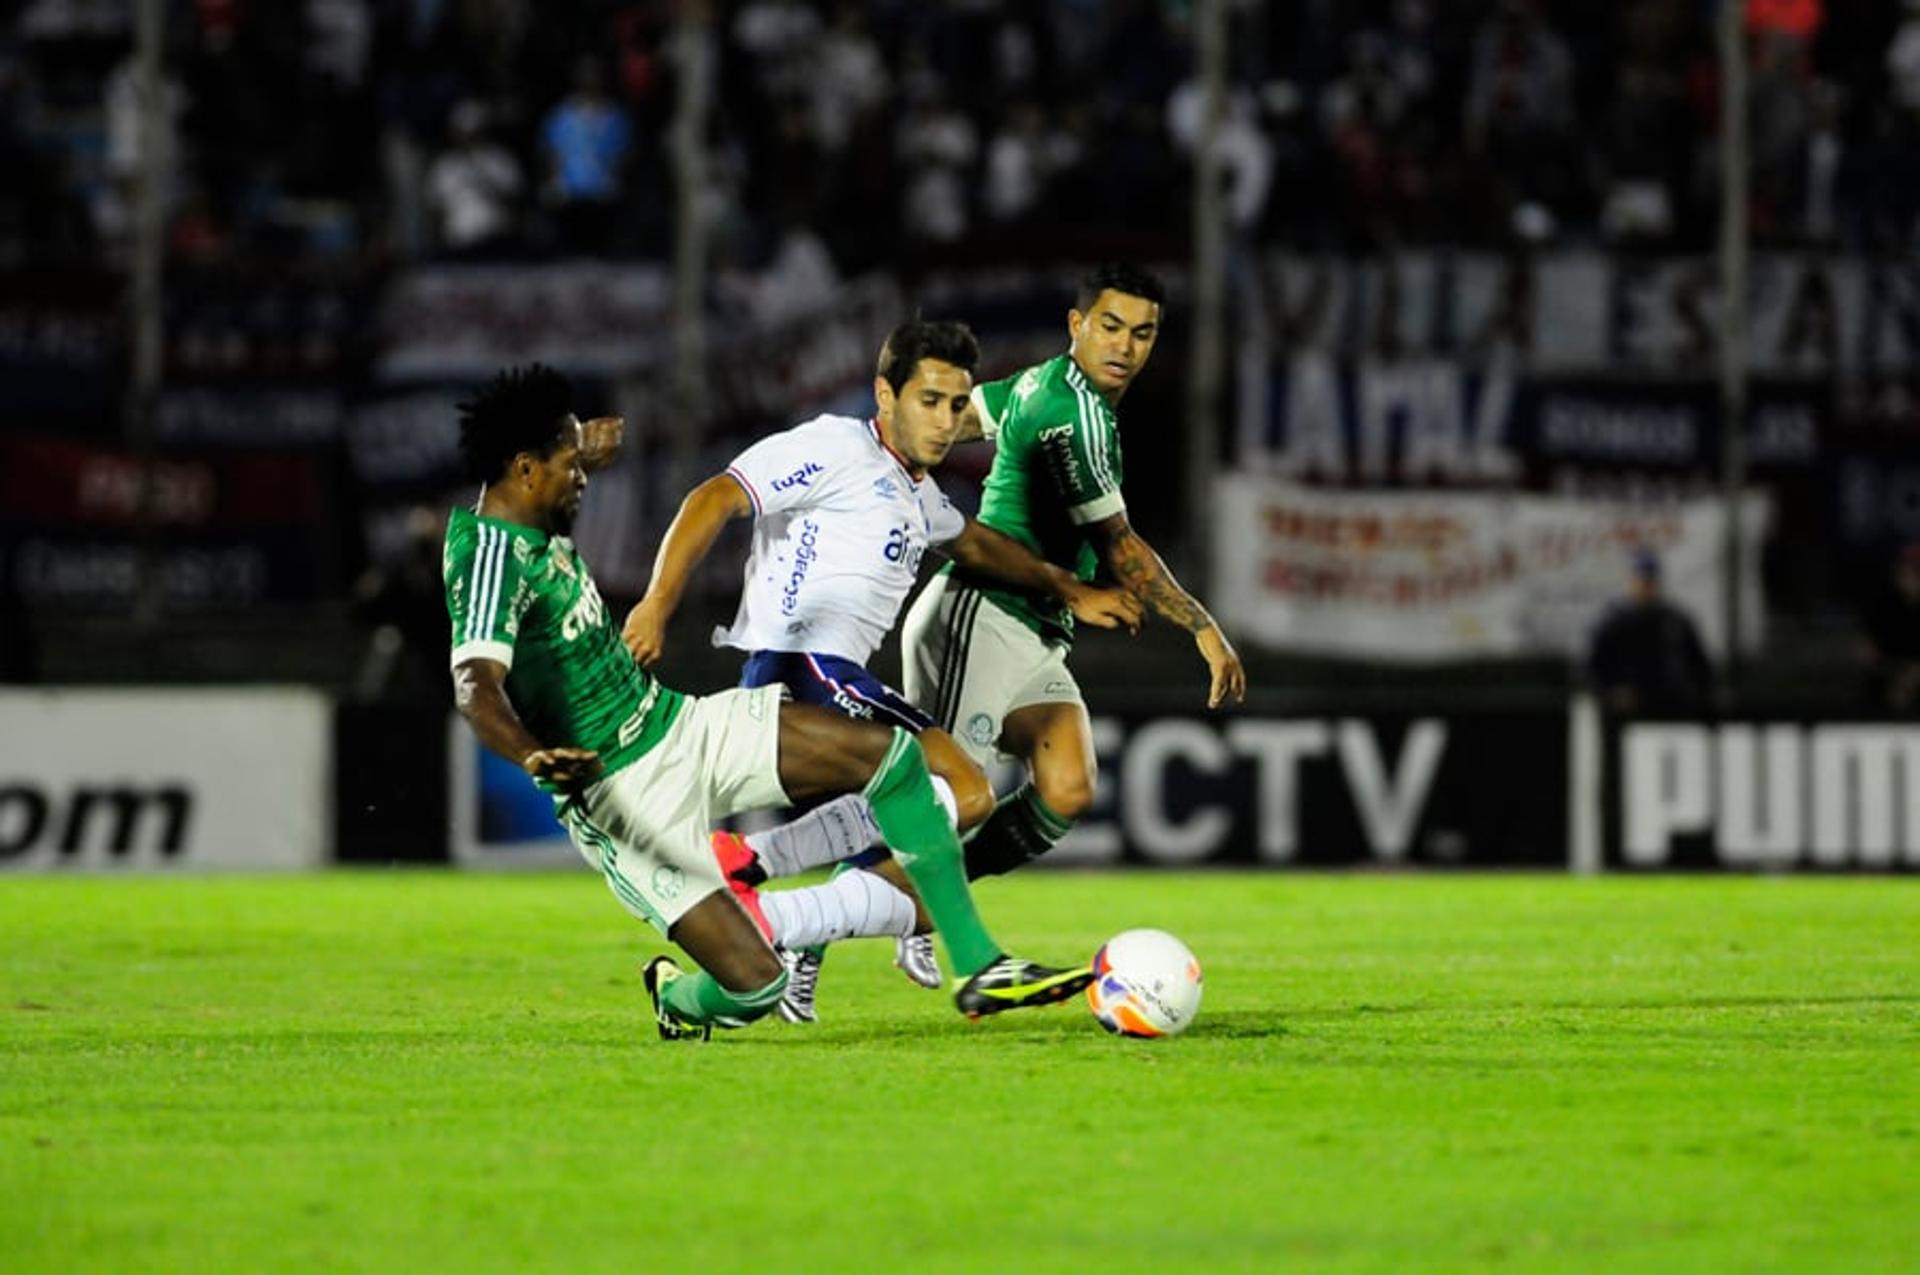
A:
(980, 729)
(563, 564)
(668, 881)
(801, 477)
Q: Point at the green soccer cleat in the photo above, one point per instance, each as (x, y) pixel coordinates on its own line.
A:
(1012, 983)
(660, 971)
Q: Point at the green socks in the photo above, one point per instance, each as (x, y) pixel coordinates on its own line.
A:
(1019, 830)
(698, 998)
(915, 825)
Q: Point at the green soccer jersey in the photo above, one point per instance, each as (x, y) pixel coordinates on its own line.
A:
(524, 598)
(1056, 468)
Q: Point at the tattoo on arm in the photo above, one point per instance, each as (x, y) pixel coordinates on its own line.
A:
(1139, 570)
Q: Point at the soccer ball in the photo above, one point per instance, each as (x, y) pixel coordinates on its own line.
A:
(1146, 983)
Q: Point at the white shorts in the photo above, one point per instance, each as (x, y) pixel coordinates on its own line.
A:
(647, 827)
(969, 664)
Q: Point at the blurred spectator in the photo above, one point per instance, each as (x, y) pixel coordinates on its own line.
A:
(1890, 648)
(114, 208)
(403, 604)
(1903, 60)
(1520, 120)
(1245, 153)
(799, 280)
(1646, 657)
(937, 146)
(1650, 130)
(473, 187)
(1018, 163)
(846, 78)
(1364, 114)
(587, 142)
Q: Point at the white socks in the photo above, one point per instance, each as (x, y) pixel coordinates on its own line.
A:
(854, 905)
(827, 834)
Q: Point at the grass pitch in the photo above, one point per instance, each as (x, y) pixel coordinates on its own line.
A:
(426, 1072)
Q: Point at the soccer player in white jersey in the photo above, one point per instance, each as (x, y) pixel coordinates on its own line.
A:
(638, 770)
(843, 511)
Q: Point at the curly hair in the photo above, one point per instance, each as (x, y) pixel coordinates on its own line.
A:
(521, 409)
(1119, 276)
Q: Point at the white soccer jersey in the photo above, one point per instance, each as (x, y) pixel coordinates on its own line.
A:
(838, 532)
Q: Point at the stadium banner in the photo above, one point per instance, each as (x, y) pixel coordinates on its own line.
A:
(163, 780)
(1453, 788)
(465, 321)
(1413, 421)
(1762, 792)
(1443, 789)
(225, 528)
(1580, 312)
(62, 348)
(1458, 575)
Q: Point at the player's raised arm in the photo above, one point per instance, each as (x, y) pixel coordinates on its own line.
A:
(1139, 569)
(707, 508)
(981, 549)
(480, 693)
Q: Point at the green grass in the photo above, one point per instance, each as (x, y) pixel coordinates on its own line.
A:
(426, 1072)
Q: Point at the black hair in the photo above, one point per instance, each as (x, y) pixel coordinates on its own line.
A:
(520, 410)
(948, 340)
(1118, 276)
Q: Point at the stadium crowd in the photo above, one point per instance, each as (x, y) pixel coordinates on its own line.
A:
(906, 132)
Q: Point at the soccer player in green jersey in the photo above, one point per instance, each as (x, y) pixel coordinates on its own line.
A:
(639, 771)
(990, 662)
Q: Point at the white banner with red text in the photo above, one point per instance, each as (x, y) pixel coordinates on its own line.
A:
(1461, 575)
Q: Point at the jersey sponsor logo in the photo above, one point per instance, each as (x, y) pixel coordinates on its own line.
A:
(801, 477)
(1059, 453)
(1052, 432)
(806, 549)
(523, 551)
(901, 548)
(851, 706)
(586, 613)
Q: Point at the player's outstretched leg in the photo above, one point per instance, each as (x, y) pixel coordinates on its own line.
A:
(741, 978)
(816, 749)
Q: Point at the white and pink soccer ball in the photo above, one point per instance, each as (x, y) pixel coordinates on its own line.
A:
(1146, 983)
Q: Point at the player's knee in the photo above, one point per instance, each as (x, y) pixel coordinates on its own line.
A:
(1068, 793)
(972, 796)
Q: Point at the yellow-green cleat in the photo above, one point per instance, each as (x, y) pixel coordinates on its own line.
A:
(1012, 983)
(659, 972)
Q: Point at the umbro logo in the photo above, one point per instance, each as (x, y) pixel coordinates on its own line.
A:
(885, 488)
